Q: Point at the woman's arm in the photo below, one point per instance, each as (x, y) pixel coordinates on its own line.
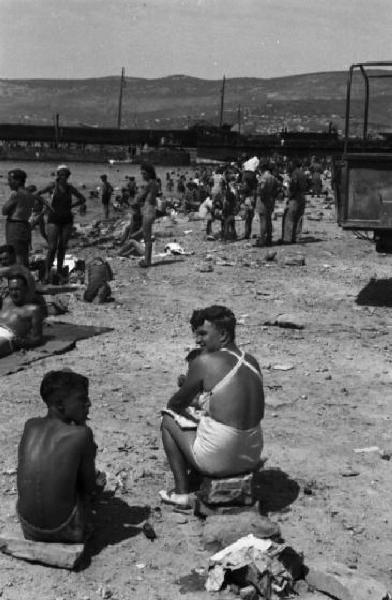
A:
(78, 195)
(192, 385)
(10, 205)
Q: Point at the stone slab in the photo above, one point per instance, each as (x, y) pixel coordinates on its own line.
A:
(293, 260)
(287, 320)
(230, 490)
(341, 583)
(64, 556)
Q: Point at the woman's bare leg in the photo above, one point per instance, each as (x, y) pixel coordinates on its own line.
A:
(178, 444)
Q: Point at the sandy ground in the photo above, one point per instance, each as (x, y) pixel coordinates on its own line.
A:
(335, 399)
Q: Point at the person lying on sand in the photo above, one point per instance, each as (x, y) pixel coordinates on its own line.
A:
(228, 439)
(20, 319)
(56, 477)
(8, 264)
(135, 246)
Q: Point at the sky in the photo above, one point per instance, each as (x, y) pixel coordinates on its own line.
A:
(202, 38)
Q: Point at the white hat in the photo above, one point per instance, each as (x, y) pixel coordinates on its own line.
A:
(63, 168)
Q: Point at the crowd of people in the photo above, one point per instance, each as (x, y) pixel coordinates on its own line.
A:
(211, 425)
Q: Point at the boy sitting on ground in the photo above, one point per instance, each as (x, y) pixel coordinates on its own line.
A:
(98, 289)
(56, 463)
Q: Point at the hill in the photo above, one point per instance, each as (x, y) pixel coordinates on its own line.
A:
(299, 102)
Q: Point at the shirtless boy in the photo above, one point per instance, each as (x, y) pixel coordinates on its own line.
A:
(56, 463)
(18, 209)
(20, 319)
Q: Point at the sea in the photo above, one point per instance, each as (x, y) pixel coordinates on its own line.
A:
(84, 176)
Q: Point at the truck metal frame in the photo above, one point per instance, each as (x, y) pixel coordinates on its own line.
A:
(363, 176)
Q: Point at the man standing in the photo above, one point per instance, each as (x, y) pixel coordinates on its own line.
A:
(18, 209)
(295, 208)
(249, 186)
(106, 193)
(265, 204)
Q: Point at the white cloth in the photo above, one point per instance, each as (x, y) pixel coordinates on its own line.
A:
(223, 450)
(251, 164)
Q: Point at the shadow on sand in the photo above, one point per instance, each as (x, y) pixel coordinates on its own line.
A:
(114, 522)
(274, 490)
(378, 292)
(308, 239)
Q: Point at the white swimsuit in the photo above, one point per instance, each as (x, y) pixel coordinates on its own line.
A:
(221, 449)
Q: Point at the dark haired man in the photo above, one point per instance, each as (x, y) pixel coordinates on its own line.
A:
(228, 439)
(298, 186)
(56, 463)
(268, 188)
(20, 319)
(18, 209)
(106, 194)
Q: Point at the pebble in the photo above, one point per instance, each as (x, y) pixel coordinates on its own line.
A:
(348, 472)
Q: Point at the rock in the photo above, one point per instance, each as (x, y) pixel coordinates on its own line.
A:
(300, 587)
(286, 320)
(223, 530)
(293, 260)
(229, 490)
(248, 592)
(65, 556)
(270, 255)
(206, 268)
(386, 454)
(338, 581)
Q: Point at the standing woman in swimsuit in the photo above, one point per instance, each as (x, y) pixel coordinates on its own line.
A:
(59, 218)
(148, 199)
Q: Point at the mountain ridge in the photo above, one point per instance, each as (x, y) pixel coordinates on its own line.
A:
(305, 102)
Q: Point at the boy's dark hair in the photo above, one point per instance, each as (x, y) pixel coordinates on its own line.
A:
(58, 383)
(7, 248)
(19, 175)
(223, 318)
(148, 168)
(15, 273)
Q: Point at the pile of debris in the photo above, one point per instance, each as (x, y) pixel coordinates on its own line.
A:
(255, 568)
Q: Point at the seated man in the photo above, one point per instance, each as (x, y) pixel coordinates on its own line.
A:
(228, 439)
(99, 273)
(8, 263)
(20, 319)
(56, 463)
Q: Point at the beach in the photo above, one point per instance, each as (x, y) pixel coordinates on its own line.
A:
(327, 401)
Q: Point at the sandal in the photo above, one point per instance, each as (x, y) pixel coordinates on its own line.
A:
(179, 500)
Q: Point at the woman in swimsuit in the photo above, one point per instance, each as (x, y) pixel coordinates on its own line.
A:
(59, 218)
(148, 200)
(228, 439)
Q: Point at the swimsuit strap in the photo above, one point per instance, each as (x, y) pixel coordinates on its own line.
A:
(252, 368)
(231, 373)
(244, 362)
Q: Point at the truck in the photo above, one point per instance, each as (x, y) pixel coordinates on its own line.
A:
(362, 175)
